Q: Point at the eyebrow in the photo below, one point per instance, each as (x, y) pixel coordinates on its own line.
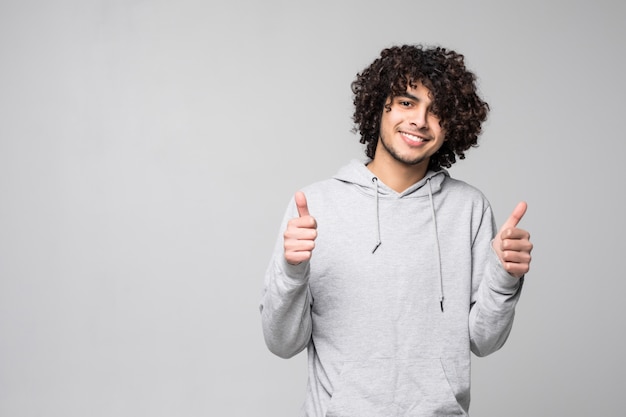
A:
(409, 96)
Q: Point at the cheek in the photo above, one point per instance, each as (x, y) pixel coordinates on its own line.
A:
(390, 120)
(438, 130)
(442, 131)
(386, 123)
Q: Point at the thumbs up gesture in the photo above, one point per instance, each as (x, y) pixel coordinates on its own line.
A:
(513, 245)
(299, 238)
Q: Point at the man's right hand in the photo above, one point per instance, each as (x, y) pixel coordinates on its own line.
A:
(301, 232)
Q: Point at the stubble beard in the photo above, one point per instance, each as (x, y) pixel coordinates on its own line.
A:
(404, 160)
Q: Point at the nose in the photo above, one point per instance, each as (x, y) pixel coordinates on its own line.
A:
(419, 117)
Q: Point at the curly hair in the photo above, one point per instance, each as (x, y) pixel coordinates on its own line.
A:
(455, 101)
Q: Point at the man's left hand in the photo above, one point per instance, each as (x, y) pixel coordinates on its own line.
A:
(513, 245)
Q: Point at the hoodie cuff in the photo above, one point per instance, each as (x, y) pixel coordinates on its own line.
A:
(294, 274)
(501, 281)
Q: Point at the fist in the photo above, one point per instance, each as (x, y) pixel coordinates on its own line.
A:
(299, 238)
(513, 244)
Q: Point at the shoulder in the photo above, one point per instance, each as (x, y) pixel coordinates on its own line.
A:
(326, 193)
(461, 187)
(465, 195)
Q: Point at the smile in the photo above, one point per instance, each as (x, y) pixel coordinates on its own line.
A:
(413, 138)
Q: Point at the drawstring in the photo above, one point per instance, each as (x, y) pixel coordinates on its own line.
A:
(435, 231)
(378, 242)
(432, 208)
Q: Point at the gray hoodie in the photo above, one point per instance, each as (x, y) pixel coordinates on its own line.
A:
(400, 288)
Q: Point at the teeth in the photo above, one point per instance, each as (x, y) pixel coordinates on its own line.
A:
(413, 137)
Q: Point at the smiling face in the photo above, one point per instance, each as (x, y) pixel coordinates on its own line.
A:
(410, 132)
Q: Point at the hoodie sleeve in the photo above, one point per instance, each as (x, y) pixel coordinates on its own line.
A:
(286, 301)
(494, 293)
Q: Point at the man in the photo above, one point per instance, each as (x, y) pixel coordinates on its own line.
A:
(391, 272)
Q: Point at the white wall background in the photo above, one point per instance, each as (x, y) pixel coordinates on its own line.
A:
(148, 150)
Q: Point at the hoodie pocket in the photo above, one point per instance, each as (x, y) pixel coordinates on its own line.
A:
(391, 387)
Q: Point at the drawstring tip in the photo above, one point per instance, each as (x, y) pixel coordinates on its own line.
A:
(441, 304)
(376, 247)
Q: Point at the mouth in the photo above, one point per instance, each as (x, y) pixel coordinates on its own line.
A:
(413, 138)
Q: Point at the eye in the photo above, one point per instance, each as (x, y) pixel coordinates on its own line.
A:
(433, 112)
(405, 103)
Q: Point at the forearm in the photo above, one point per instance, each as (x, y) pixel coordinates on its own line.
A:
(492, 313)
(286, 308)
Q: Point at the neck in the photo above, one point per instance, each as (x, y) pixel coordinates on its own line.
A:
(397, 175)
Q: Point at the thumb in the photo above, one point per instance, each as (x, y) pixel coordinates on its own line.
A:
(303, 208)
(516, 216)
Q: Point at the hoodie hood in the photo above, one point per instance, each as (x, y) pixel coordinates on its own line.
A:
(357, 173)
